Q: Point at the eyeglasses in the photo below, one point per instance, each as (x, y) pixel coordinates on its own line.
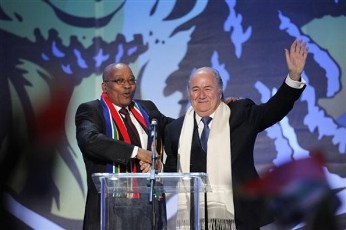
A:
(123, 81)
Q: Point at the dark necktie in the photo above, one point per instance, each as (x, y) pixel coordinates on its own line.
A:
(135, 140)
(205, 132)
(131, 129)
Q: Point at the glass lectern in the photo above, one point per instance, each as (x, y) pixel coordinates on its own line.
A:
(130, 185)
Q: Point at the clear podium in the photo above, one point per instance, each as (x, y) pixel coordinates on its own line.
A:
(114, 185)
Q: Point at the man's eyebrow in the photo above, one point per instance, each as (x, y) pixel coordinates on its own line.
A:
(124, 76)
(202, 87)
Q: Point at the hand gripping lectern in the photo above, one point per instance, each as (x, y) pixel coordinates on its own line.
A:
(121, 194)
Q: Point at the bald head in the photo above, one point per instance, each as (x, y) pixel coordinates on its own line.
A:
(110, 68)
(119, 84)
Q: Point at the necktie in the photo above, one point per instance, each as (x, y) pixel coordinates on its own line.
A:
(205, 132)
(135, 140)
(131, 129)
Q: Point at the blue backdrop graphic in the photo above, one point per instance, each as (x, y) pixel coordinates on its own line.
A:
(53, 53)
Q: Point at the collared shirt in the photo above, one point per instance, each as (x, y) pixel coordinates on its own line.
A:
(200, 124)
(142, 134)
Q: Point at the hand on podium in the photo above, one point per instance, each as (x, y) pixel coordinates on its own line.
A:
(144, 155)
(146, 167)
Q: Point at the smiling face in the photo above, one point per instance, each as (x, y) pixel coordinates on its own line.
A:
(119, 94)
(204, 91)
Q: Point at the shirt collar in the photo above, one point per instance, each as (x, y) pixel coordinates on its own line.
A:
(118, 107)
(199, 118)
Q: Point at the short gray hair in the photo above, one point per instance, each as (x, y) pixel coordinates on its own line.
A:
(214, 72)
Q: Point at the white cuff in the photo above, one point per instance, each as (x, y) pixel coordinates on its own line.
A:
(134, 152)
(295, 84)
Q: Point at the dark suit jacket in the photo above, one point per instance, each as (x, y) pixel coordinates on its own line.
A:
(246, 121)
(99, 150)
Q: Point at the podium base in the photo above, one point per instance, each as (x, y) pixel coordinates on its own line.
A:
(136, 213)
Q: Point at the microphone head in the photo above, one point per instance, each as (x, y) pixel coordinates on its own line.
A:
(154, 116)
(153, 121)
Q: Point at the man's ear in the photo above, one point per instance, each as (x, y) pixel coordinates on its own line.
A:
(103, 86)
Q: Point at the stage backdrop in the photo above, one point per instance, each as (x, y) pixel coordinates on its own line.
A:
(52, 57)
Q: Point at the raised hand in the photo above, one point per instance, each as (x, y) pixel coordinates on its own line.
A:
(295, 59)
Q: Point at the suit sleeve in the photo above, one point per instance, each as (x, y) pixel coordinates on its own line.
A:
(171, 160)
(91, 139)
(278, 106)
(172, 136)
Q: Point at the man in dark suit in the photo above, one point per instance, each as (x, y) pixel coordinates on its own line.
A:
(113, 136)
(232, 130)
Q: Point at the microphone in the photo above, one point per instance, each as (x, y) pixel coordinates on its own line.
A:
(153, 127)
(153, 121)
(153, 117)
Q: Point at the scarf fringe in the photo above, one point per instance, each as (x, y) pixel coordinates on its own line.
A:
(217, 224)
(213, 224)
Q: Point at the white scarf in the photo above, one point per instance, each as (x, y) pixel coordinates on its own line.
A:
(220, 200)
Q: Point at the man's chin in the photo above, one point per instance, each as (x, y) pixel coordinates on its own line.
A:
(203, 113)
(126, 102)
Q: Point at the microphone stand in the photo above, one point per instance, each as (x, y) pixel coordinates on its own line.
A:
(152, 172)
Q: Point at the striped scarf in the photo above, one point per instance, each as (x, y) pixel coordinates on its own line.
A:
(116, 129)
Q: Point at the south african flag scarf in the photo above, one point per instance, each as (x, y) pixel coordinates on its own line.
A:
(116, 129)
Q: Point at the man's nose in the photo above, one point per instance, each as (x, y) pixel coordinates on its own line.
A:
(127, 84)
(202, 94)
